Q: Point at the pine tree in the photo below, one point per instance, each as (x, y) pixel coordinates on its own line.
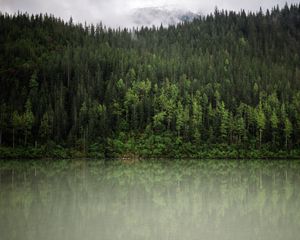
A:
(179, 118)
(27, 120)
(274, 125)
(46, 126)
(197, 119)
(260, 121)
(16, 125)
(224, 126)
(288, 129)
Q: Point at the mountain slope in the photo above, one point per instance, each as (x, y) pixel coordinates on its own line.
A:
(230, 80)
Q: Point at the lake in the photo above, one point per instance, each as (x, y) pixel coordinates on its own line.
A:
(163, 199)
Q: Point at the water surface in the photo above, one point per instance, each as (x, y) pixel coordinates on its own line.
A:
(187, 199)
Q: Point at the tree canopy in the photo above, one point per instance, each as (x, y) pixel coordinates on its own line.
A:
(225, 78)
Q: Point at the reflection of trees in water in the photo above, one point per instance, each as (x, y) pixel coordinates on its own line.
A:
(150, 200)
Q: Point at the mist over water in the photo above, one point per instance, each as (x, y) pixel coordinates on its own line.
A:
(211, 199)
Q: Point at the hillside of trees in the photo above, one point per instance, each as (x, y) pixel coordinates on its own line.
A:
(229, 80)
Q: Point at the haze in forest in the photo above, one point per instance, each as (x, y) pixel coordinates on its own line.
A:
(116, 13)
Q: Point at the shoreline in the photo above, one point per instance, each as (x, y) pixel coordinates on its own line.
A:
(31, 153)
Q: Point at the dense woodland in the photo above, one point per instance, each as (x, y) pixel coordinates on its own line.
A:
(226, 79)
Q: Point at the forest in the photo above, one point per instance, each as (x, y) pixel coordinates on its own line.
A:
(226, 85)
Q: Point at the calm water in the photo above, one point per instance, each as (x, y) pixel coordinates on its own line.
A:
(211, 199)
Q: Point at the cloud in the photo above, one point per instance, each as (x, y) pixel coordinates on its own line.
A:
(116, 13)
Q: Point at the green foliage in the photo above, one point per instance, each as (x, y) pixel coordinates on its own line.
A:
(260, 121)
(158, 119)
(224, 127)
(28, 120)
(182, 87)
(288, 129)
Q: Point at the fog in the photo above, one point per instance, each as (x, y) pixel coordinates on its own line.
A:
(189, 199)
(116, 13)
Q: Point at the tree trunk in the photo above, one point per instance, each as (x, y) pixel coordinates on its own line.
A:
(0, 137)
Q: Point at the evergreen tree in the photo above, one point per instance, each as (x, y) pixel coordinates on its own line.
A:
(288, 128)
(225, 78)
(260, 121)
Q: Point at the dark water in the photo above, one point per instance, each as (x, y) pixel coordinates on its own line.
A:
(211, 199)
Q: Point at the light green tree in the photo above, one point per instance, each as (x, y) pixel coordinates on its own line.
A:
(240, 129)
(288, 129)
(274, 125)
(224, 117)
(16, 125)
(158, 120)
(131, 103)
(27, 120)
(167, 100)
(182, 118)
(179, 117)
(196, 119)
(260, 121)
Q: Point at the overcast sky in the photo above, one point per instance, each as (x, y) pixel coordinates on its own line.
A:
(115, 12)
